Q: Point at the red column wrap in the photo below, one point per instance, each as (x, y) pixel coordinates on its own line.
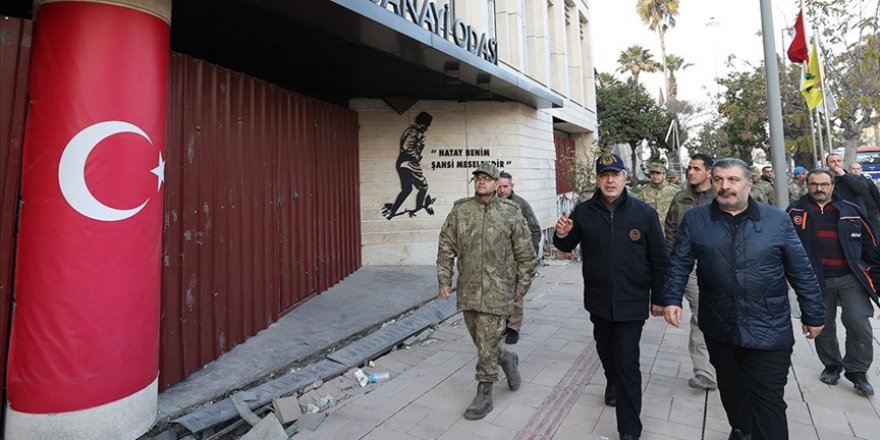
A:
(86, 321)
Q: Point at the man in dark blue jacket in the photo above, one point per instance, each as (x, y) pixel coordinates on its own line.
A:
(744, 252)
(624, 261)
(843, 251)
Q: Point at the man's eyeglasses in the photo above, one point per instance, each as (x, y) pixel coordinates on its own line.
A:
(483, 178)
(819, 185)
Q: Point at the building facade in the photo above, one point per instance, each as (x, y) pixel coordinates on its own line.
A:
(299, 141)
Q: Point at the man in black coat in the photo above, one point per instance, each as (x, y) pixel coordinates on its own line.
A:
(746, 251)
(624, 261)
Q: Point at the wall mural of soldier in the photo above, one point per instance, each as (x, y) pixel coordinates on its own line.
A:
(409, 170)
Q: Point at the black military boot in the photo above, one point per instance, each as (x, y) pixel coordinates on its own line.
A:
(482, 403)
(510, 365)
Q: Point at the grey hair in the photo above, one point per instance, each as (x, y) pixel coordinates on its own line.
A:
(731, 162)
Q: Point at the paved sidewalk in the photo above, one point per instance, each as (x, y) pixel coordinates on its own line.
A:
(561, 396)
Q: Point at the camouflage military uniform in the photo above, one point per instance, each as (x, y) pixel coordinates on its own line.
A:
(516, 316)
(488, 239)
(796, 189)
(658, 197)
(762, 191)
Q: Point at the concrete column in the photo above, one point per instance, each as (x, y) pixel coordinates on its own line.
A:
(84, 350)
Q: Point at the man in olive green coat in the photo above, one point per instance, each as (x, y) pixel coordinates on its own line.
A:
(697, 192)
(496, 264)
(505, 191)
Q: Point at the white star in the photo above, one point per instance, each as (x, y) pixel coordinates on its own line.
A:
(159, 171)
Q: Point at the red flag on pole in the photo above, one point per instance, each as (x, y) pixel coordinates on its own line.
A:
(797, 52)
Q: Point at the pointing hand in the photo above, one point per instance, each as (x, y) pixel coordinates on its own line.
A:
(564, 225)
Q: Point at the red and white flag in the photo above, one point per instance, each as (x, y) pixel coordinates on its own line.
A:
(797, 51)
(85, 329)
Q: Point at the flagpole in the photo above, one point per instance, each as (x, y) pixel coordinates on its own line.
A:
(822, 85)
(816, 153)
(818, 132)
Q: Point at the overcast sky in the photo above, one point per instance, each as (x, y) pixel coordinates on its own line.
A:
(706, 33)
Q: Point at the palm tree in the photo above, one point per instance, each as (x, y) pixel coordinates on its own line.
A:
(674, 63)
(606, 79)
(636, 59)
(659, 15)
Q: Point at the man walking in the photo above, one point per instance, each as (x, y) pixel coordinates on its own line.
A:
(797, 187)
(745, 251)
(843, 252)
(496, 262)
(657, 193)
(762, 184)
(624, 260)
(698, 192)
(505, 191)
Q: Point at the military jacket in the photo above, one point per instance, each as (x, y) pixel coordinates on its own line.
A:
(796, 189)
(496, 259)
(658, 197)
(686, 199)
(531, 220)
(762, 191)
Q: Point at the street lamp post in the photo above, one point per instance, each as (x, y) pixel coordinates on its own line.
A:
(774, 107)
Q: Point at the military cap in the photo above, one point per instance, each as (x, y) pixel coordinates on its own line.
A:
(655, 167)
(609, 162)
(488, 169)
(798, 170)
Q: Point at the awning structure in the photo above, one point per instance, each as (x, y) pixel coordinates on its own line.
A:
(341, 49)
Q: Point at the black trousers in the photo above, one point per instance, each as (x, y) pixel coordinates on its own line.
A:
(752, 385)
(618, 347)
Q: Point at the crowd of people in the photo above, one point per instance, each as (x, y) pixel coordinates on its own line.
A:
(716, 241)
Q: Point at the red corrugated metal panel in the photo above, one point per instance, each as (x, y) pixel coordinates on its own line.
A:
(296, 198)
(261, 209)
(220, 277)
(565, 156)
(15, 48)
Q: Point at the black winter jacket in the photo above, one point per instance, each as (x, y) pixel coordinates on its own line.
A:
(856, 238)
(741, 273)
(624, 257)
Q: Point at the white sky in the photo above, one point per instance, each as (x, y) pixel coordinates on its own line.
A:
(706, 32)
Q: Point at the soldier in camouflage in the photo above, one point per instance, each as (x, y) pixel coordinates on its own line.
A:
(698, 192)
(762, 188)
(658, 193)
(798, 185)
(505, 191)
(496, 264)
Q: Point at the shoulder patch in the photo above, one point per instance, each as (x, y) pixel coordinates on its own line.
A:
(459, 201)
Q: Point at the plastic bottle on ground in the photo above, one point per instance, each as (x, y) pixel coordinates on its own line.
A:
(379, 377)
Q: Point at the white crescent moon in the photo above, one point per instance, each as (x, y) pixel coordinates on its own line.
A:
(71, 171)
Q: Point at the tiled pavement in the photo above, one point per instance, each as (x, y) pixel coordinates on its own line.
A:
(561, 396)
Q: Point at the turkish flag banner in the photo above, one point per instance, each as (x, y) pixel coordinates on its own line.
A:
(86, 321)
(797, 51)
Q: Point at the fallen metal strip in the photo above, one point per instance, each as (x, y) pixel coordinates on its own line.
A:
(381, 340)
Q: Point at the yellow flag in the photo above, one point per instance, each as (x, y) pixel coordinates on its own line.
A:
(811, 86)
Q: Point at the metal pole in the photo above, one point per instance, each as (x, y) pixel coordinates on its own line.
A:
(818, 128)
(816, 153)
(774, 108)
(824, 95)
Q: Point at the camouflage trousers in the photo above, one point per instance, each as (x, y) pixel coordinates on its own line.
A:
(485, 330)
